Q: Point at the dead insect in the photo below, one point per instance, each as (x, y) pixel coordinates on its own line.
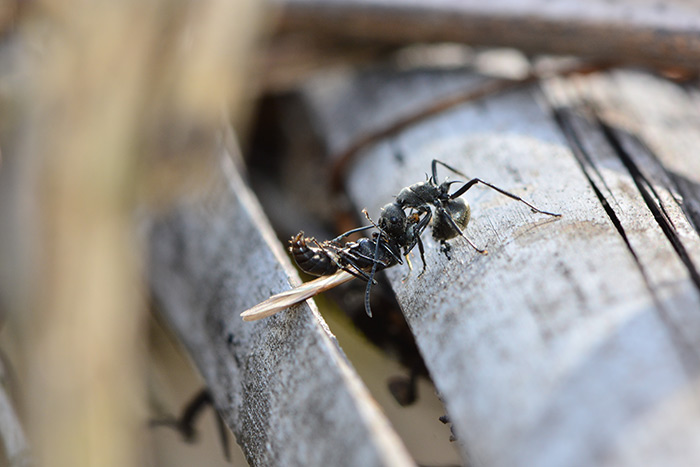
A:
(397, 235)
(356, 258)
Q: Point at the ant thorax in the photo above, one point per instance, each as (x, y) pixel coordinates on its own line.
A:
(418, 195)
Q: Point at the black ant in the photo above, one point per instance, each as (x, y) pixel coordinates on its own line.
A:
(356, 258)
(450, 219)
(452, 213)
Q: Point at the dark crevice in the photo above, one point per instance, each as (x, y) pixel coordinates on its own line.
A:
(690, 193)
(586, 166)
(652, 200)
(644, 186)
(687, 352)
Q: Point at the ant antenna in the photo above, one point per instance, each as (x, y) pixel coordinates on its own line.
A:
(372, 273)
(474, 181)
(381, 231)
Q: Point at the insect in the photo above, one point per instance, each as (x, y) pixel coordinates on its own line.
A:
(451, 213)
(397, 234)
(399, 230)
(356, 258)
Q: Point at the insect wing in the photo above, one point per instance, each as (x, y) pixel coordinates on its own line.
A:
(288, 298)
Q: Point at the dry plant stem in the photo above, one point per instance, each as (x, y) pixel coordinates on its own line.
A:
(83, 362)
(83, 359)
(284, 300)
(111, 81)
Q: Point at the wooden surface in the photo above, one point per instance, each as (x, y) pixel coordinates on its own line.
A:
(340, 105)
(570, 343)
(282, 384)
(631, 31)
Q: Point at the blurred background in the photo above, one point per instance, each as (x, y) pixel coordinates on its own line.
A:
(110, 111)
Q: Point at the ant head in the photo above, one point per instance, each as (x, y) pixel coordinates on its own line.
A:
(392, 220)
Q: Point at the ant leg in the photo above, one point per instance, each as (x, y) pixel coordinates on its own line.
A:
(350, 232)
(329, 245)
(186, 423)
(434, 167)
(421, 250)
(444, 246)
(419, 226)
(394, 255)
(424, 222)
(410, 268)
(474, 181)
(358, 273)
(371, 276)
(483, 252)
(355, 271)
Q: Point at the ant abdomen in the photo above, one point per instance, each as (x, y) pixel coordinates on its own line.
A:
(456, 209)
(312, 260)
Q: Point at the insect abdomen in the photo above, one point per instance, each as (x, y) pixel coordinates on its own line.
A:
(312, 260)
(459, 211)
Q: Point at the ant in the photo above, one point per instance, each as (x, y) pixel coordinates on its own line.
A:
(428, 203)
(326, 258)
(451, 216)
(452, 213)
